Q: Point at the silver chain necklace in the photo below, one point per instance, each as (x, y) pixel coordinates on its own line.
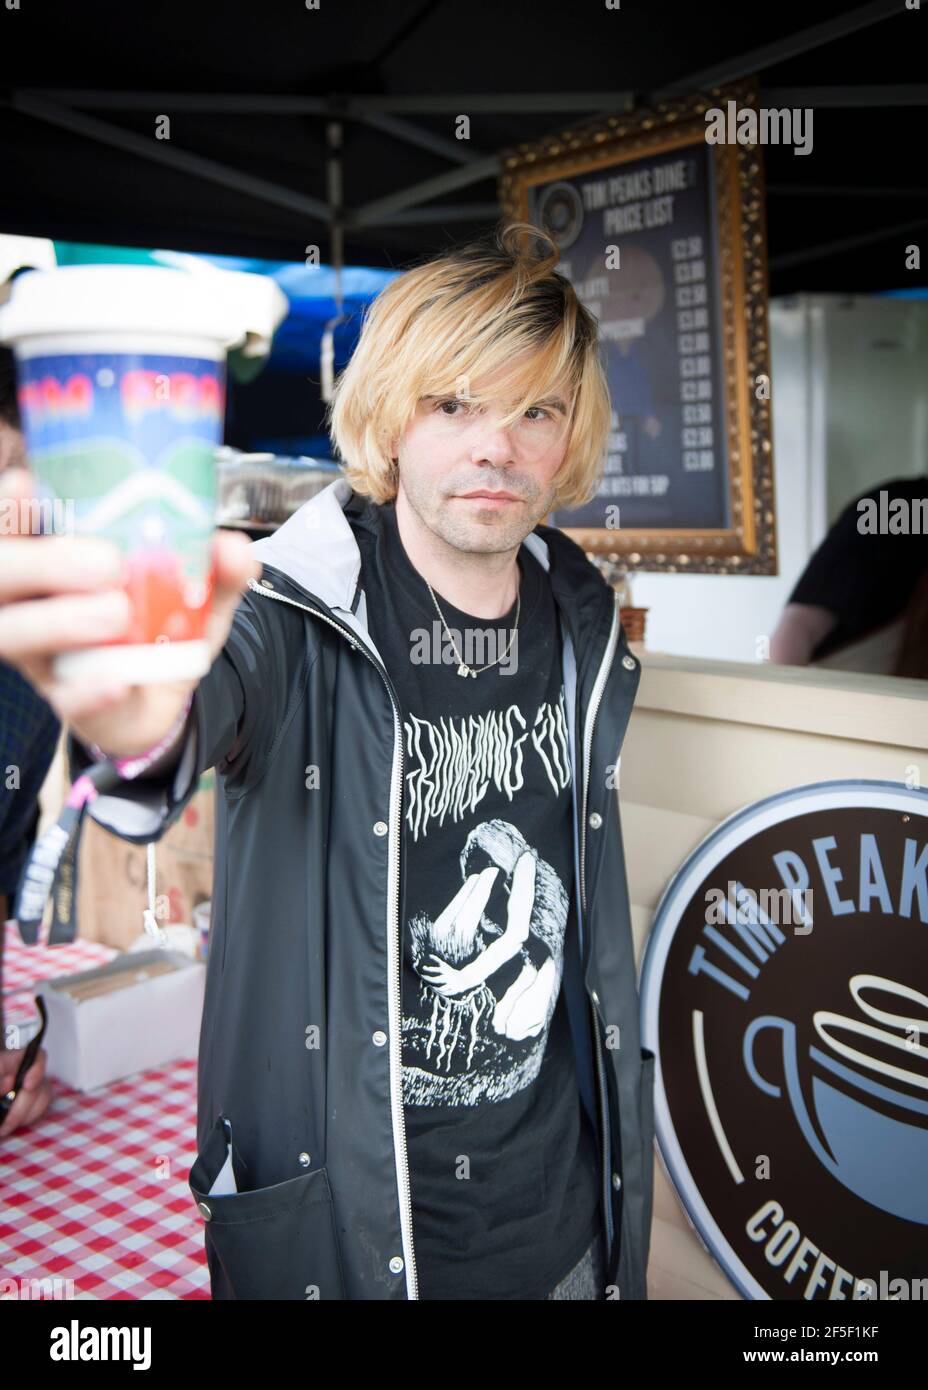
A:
(463, 668)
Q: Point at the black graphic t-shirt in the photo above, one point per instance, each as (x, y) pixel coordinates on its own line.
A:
(502, 1155)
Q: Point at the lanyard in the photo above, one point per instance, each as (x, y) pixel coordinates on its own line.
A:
(52, 865)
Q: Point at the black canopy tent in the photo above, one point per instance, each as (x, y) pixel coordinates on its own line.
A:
(279, 112)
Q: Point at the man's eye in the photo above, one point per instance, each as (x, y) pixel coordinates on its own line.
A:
(453, 407)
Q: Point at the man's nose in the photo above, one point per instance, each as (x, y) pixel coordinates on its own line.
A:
(493, 442)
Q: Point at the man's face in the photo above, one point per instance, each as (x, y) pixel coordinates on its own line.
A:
(451, 448)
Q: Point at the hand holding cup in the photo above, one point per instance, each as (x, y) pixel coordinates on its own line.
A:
(63, 593)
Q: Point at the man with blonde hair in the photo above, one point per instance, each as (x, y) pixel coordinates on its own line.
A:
(420, 1067)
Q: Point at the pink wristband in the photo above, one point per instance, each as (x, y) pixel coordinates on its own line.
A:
(140, 762)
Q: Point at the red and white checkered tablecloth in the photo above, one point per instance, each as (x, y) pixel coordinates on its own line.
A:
(96, 1192)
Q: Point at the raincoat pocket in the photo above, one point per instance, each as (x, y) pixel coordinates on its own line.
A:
(276, 1242)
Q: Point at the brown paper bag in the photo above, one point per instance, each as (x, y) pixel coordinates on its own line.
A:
(112, 880)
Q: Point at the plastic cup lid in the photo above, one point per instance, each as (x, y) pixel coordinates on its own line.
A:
(223, 306)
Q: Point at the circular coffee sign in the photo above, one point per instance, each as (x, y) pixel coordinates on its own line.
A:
(784, 991)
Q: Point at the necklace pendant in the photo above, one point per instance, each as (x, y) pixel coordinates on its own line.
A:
(464, 670)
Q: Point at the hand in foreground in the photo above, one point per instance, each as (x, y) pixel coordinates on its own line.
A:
(58, 593)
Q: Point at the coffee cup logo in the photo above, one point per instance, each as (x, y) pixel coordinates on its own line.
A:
(870, 1152)
(791, 1083)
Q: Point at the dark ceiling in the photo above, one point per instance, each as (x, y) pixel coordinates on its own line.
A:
(84, 84)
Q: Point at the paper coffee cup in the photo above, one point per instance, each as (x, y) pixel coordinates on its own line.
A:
(121, 384)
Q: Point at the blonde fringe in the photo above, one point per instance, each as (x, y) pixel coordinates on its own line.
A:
(496, 307)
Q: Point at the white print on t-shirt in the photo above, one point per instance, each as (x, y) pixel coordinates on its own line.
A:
(454, 762)
(490, 971)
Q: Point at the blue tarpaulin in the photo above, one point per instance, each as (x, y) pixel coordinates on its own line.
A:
(309, 290)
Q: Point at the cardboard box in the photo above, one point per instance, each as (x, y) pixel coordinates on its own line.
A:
(142, 1010)
(112, 882)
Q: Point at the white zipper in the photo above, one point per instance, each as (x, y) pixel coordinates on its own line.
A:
(400, 1152)
(589, 722)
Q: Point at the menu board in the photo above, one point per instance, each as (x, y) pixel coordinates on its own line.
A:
(662, 233)
(655, 296)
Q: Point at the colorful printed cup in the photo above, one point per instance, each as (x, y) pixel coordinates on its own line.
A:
(121, 384)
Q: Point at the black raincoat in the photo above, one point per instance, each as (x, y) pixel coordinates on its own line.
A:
(301, 1176)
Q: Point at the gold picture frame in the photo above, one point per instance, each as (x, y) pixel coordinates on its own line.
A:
(746, 541)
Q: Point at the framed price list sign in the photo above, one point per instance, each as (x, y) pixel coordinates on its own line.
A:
(662, 234)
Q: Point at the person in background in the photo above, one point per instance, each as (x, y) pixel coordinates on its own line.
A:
(29, 730)
(861, 603)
